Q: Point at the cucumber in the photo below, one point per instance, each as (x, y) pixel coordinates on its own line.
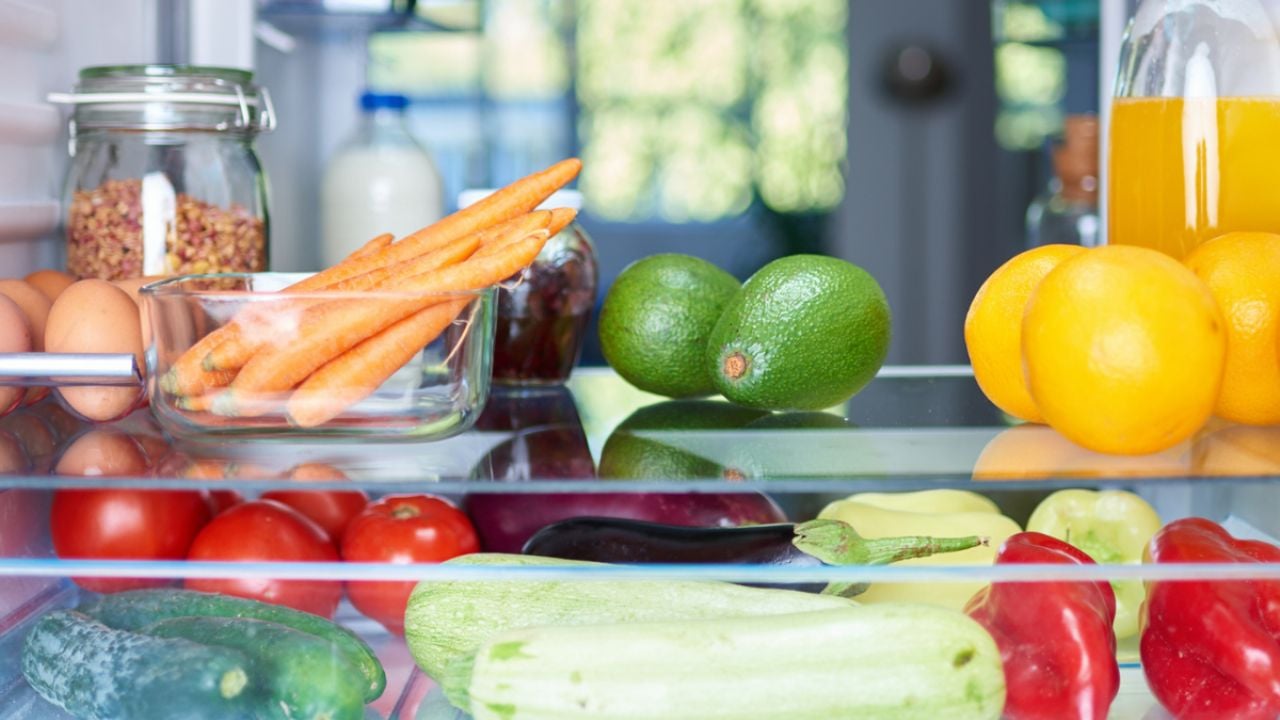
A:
(93, 671)
(876, 662)
(304, 676)
(136, 609)
(446, 619)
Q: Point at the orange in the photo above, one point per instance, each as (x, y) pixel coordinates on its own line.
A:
(993, 327)
(1242, 271)
(1124, 350)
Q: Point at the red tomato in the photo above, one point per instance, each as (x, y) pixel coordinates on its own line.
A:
(221, 500)
(403, 529)
(265, 530)
(332, 510)
(125, 525)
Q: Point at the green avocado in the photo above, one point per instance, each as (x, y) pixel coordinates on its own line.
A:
(806, 332)
(655, 321)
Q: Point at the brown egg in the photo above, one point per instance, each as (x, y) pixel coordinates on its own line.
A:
(50, 282)
(15, 337)
(94, 316)
(102, 452)
(36, 306)
(132, 287)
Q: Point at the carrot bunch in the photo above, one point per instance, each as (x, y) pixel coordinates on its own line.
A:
(313, 357)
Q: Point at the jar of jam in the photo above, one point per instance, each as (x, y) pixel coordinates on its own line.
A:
(542, 317)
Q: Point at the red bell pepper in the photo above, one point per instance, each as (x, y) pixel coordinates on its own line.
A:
(1211, 649)
(1055, 637)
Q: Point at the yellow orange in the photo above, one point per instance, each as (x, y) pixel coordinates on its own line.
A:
(1242, 271)
(993, 327)
(1124, 349)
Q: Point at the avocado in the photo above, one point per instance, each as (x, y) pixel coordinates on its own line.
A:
(806, 332)
(655, 321)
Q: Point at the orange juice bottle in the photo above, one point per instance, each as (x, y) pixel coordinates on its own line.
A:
(1194, 143)
(1183, 171)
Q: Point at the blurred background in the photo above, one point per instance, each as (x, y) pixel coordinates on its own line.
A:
(926, 140)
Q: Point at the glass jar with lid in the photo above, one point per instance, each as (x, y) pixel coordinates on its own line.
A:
(1192, 145)
(542, 317)
(163, 177)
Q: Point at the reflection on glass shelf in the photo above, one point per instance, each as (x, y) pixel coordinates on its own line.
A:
(907, 429)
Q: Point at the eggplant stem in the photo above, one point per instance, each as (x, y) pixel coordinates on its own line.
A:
(836, 543)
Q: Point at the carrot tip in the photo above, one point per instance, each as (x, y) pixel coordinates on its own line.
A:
(169, 382)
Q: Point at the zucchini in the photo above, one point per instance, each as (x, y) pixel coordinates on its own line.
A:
(93, 671)
(136, 609)
(875, 662)
(303, 676)
(446, 619)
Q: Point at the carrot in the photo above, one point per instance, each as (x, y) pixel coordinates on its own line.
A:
(337, 327)
(511, 201)
(357, 373)
(371, 247)
(187, 375)
(454, 252)
(560, 219)
(236, 351)
(516, 199)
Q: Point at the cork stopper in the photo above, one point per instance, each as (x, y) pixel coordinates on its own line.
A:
(1075, 160)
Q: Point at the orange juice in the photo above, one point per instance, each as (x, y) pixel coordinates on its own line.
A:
(1183, 171)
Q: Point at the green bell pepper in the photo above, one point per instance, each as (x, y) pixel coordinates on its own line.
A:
(1112, 527)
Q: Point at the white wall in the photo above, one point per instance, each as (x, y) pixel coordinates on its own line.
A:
(43, 44)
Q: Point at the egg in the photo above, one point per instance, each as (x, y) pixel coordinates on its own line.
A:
(36, 307)
(102, 452)
(132, 287)
(94, 316)
(50, 282)
(15, 337)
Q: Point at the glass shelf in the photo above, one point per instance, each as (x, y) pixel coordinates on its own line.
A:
(911, 428)
(599, 447)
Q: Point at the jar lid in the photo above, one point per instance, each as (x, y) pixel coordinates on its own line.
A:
(168, 97)
(571, 199)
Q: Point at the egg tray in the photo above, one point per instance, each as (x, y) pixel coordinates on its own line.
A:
(55, 369)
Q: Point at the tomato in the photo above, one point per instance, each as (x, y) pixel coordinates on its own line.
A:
(330, 509)
(221, 500)
(265, 530)
(402, 529)
(124, 524)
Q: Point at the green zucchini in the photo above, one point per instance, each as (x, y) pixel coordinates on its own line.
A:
(885, 662)
(93, 671)
(136, 609)
(446, 619)
(304, 676)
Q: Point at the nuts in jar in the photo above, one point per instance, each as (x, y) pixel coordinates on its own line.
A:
(105, 235)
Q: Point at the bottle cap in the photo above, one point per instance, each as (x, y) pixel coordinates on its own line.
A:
(377, 101)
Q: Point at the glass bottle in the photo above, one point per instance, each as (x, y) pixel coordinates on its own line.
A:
(163, 177)
(1068, 211)
(1194, 122)
(382, 180)
(543, 315)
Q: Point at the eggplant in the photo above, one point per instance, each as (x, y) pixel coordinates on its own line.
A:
(811, 544)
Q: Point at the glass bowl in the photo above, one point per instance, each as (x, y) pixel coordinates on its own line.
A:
(231, 357)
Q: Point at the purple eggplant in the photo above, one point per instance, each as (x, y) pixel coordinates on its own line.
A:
(811, 544)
